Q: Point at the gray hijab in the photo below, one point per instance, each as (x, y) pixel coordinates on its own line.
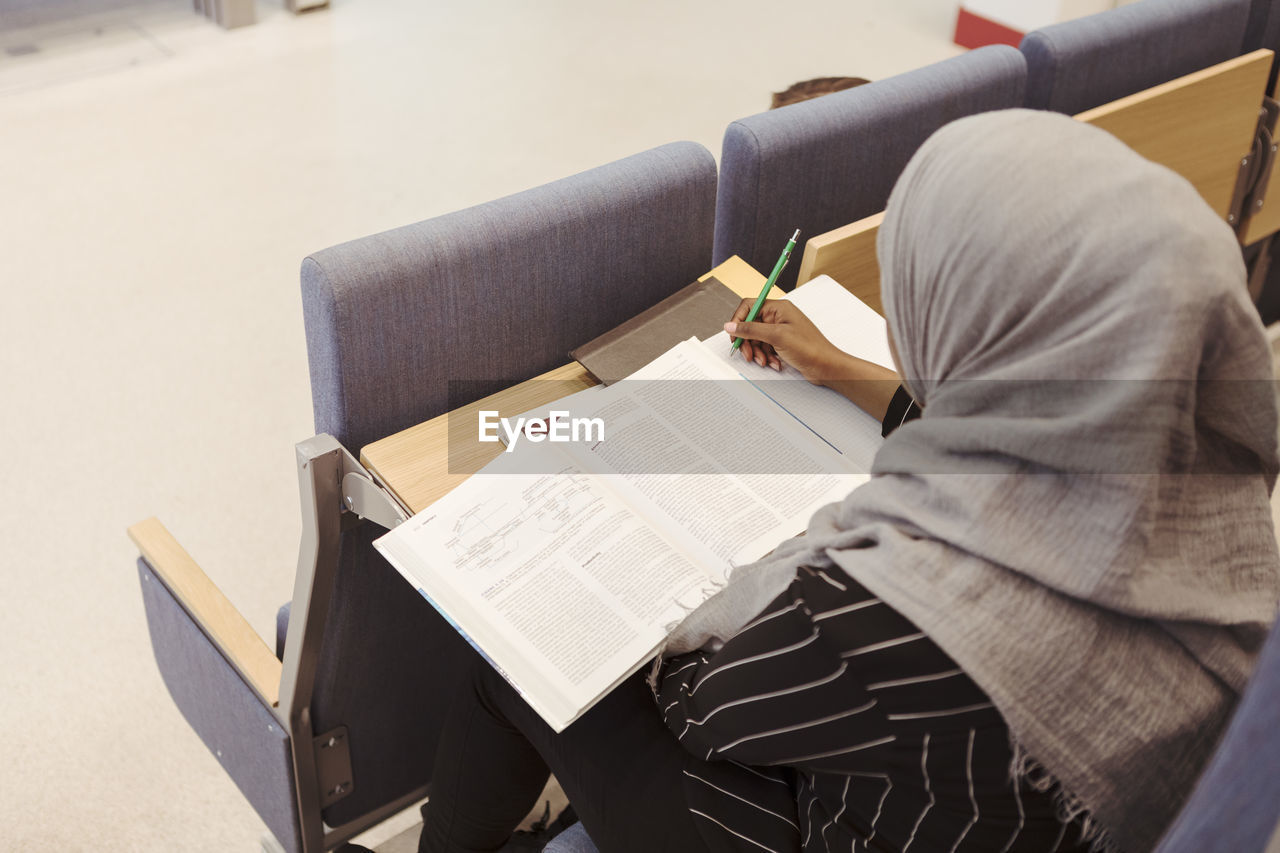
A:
(1081, 518)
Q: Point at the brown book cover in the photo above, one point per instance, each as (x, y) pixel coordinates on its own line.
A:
(699, 310)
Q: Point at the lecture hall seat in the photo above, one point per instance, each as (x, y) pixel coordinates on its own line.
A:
(402, 326)
(1081, 64)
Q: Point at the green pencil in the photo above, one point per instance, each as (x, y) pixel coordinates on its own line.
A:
(768, 285)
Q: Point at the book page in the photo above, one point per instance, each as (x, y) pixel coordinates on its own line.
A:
(852, 326)
(704, 455)
(554, 580)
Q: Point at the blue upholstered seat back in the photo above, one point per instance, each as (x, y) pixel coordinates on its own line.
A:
(572, 840)
(499, 292)
(1236, 803)
(239, 730)
(823, 163)
(494, 294)
(1078, 65)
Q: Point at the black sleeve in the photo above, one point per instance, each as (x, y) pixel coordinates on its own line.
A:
(901, 409)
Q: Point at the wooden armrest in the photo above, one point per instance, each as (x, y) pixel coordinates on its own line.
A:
(847, 254)
(211, 610)
(415, 463)
(742, 278)
(420, 465)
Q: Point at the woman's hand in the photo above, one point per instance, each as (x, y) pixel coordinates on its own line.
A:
(782, 334)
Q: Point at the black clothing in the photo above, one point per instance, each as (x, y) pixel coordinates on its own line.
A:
(877, 739)
(901, 409)
(617, 763)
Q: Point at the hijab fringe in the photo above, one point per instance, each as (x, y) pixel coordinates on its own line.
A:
(655, 669)
(1024, 768)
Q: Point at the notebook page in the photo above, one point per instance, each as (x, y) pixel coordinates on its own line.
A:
(851, 325)
(848, 322)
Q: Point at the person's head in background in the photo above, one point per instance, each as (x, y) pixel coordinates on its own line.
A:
(818, 86)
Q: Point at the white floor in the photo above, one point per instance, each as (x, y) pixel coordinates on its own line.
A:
(160, 182)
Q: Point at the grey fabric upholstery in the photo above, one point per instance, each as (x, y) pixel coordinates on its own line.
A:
(1077, 65)
(491, 295)
(227, 715)
(499, 292)
(1236, 803)
(387, 662)
(572, 840)
(823, 163)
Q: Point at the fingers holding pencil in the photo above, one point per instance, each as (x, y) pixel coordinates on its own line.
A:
(782, 334)
(753, 349)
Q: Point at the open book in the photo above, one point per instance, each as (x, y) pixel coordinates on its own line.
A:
(566, 565)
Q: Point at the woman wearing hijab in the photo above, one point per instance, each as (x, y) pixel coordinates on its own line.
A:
(1028, 630)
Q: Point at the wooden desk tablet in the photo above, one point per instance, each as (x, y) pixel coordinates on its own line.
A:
(414, 464)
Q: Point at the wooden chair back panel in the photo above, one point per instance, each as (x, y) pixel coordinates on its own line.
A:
(847, 254)
(1200, 126)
